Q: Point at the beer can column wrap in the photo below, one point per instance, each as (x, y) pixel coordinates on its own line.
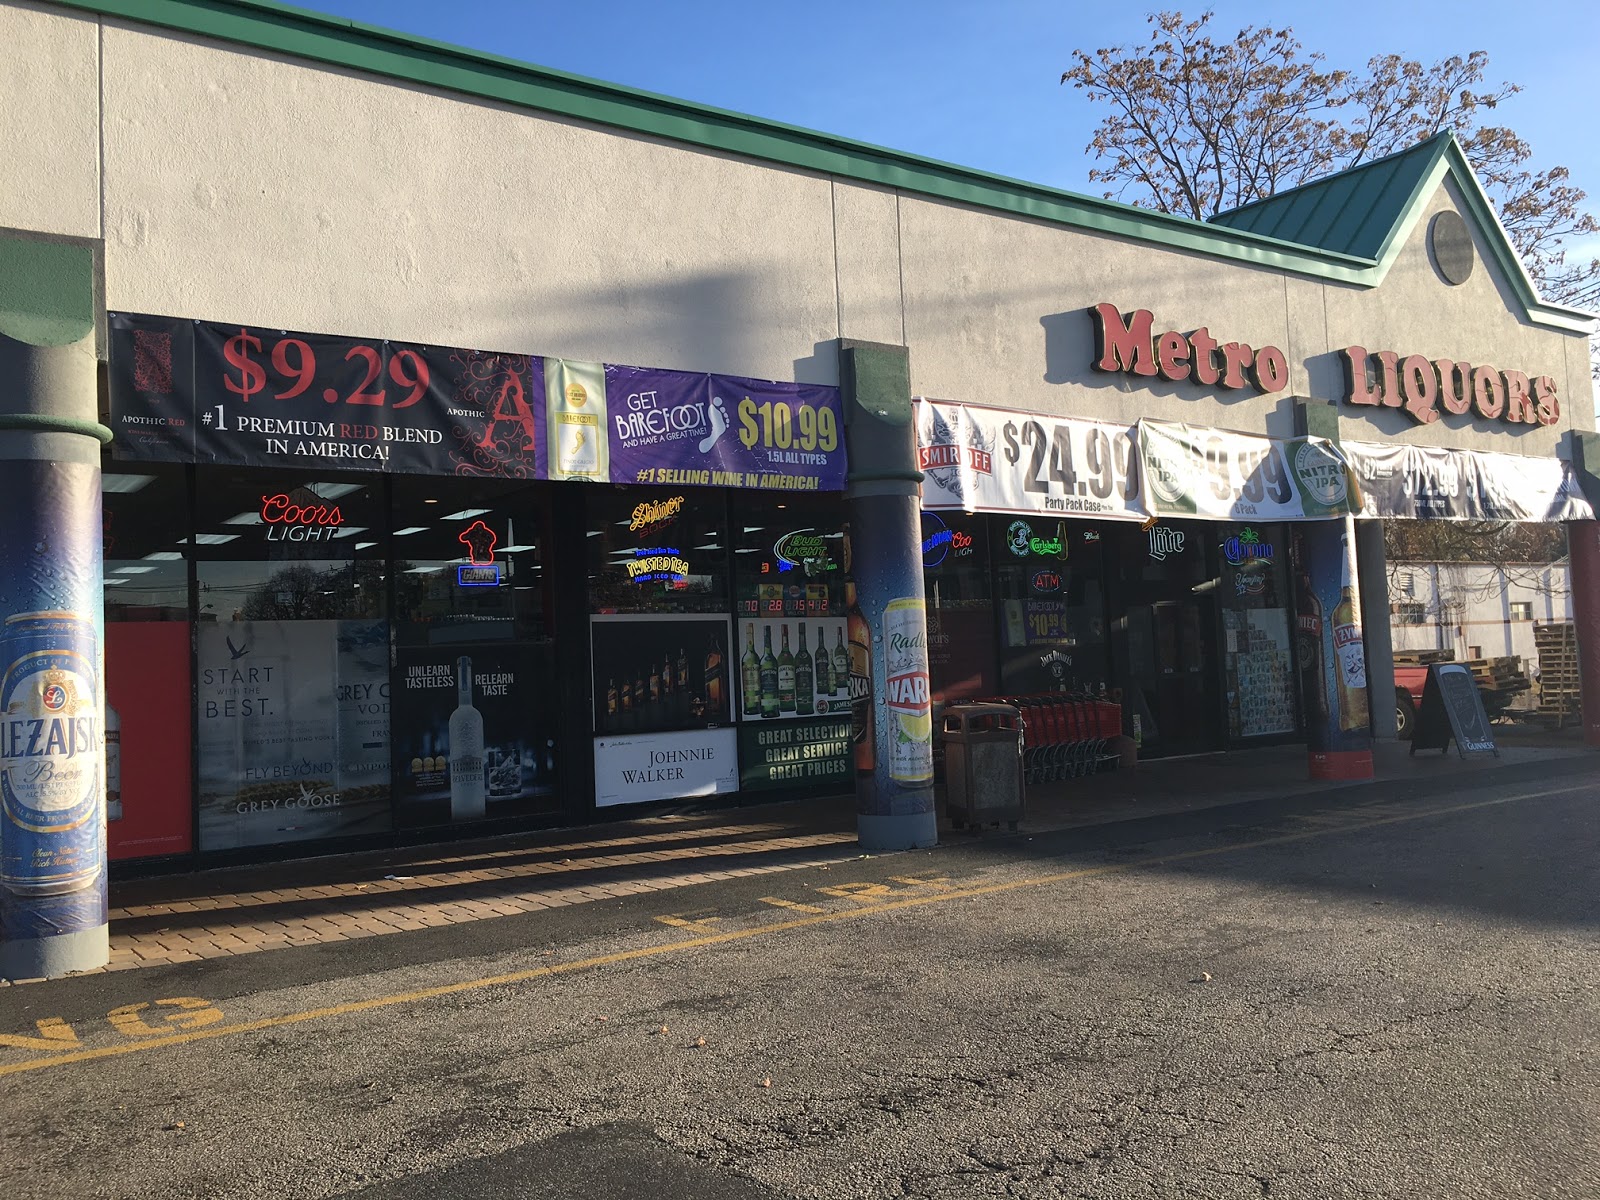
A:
(891, 704)
(1332, 651)
(52, 749)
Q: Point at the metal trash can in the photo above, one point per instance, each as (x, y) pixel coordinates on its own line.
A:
(982, 764)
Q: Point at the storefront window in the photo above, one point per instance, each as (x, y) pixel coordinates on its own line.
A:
(292, 650)
(145, 530)
(955, 566)
(475, 687)
(658, 589)
(1257, 631)
(1052, 605)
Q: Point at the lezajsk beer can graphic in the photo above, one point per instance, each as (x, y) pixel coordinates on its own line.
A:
(906, 693)
(50, 751)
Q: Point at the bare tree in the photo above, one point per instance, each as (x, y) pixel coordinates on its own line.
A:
(1198, 126)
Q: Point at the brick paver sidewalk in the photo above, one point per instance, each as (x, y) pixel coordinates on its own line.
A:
(451, 887)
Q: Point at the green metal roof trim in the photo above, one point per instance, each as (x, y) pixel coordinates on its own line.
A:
(1369, 211)
(298, 33)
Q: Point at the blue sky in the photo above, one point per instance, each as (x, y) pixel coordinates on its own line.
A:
(975, 82)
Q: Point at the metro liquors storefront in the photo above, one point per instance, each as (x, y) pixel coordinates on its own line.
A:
(441, 500)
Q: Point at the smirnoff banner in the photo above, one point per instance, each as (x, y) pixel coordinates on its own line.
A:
(1214, 474)
(1432, 483)
(994, 460)
(197, 391)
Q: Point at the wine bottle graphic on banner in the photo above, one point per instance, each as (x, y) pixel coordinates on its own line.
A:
(841, 663)
(785, 675)
(466, 750)
(824, 664)
(804, 682)
(769, 675)
(750, 673)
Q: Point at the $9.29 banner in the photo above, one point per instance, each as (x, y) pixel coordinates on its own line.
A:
(196, 391)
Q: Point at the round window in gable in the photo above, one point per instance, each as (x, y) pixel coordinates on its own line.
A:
(1450, 243)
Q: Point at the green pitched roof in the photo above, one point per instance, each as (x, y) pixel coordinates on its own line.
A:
(282, 29)
(1353, 212)
(1368, 212)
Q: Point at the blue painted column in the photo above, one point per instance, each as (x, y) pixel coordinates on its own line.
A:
(52, 694)
(891, 704)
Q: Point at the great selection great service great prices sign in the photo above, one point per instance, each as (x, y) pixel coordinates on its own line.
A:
(198, 391)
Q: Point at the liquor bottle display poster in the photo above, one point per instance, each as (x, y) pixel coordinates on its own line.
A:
(293, 720)
(791, 668)
(148, 808)
(474, 732)
(660, 672)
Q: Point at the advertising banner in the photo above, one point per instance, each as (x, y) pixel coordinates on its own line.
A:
(675, 427)
(196, 391)
(813, 753)
(293, 723)
(52, 801)
(659, 672)
(149, 807)
(1432, 483)
(996, 460)
(1193, 471)
(474, 734)
(790, 669)
(637, 768)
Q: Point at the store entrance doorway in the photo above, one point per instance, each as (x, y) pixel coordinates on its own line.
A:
(1165, 648)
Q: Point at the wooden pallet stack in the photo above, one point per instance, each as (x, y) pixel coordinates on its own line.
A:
(1500, 680)
(1557, 644)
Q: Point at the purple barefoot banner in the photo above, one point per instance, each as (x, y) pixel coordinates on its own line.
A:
(684, 429)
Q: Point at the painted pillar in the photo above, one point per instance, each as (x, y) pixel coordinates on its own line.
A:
(1329, 641)
(1583, 582)
(1373, 569)
(52, 751)
(891, 709)
(1583, 551)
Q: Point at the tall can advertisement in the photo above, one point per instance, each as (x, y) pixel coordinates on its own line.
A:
(891, 699)
(1332, 651)
(52, 753)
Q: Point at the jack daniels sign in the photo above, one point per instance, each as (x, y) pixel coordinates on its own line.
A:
(196, 391)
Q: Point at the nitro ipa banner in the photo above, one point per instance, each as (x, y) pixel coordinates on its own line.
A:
(1191, 471)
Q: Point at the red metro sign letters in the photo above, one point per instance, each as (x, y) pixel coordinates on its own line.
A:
(1133, 348)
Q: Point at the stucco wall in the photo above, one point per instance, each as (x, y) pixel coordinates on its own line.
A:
(49, 122)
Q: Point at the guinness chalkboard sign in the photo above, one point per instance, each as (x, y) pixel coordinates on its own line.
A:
(1452, 708)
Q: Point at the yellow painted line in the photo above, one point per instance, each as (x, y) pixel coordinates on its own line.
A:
(737, 935)
(794, 904)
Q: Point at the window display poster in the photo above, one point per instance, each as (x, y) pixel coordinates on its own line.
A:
(660, 672)
(635, 769)
(1262, 698)
(960, 654)
(474, 732)
(148, 806)
(293, 720)
(793, 669)
(816, 754)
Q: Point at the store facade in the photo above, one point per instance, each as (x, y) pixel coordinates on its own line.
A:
(479, 455)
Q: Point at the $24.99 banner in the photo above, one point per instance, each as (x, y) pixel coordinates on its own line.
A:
(196, 391)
